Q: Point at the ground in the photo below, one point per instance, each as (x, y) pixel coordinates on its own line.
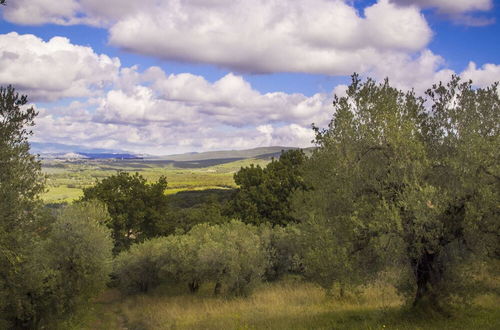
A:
(282, 305)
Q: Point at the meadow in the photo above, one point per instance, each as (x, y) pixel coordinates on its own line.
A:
(288, 304)
(65, 179)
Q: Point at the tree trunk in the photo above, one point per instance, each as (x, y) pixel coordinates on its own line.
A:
(217, 288)
(427, 275)
(193, 286)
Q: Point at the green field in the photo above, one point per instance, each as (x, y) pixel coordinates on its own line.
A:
(66, 179)
(282, 305)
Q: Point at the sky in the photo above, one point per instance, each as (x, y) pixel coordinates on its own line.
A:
(172, 76)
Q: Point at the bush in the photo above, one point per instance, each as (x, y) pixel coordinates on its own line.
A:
(230, 255)
(284, 251)
(138, 269)
(80, 248)
(63, 270)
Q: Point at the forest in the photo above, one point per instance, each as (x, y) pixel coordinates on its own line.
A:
(393, 220)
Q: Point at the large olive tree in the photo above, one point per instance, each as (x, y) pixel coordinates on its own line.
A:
(407, 179)
(20, 184)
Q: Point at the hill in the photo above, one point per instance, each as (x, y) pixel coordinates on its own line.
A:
(261, 153)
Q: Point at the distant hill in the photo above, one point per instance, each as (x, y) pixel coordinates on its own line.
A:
(71, 152)
(261, 153)
(59, 148)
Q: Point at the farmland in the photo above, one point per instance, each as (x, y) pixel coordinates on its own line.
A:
(65, 179)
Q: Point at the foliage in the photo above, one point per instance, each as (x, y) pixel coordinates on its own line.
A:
(137, 209)
(229, 255)
(400, 181)
(79, 249)
(263, 195)
(138, 268)
(330, 259)
(187, 209)
(63, 270)
(20, 212)
(284, 251)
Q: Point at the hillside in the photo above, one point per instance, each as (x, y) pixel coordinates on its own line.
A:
(263, 152)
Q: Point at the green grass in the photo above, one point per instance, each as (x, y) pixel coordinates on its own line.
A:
(284, 305)
(65, 180)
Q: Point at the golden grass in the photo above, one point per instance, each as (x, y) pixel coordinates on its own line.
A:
(284, 305)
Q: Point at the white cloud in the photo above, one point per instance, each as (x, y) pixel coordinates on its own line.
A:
(461, 11)
(450, 6)
(53, 69)
(157, 113)
(484, 76)
(187, 98)
(34, 12)
(317, 36)
(152, 112)
(418, 72)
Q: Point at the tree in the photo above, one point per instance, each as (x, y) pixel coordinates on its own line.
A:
(78, 249)
(48, 266)
(20, 174)
(396, 179)
(137, 208)
(20, 183)
(263, 195)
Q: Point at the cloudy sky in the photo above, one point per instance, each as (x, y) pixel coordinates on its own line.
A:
(173, 76)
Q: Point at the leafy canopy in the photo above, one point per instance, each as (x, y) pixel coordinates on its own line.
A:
(263, 195)
(403, 178)
(137, 208)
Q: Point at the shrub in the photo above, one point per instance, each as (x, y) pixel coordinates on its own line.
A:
(63, 270)
(231, 255)
(138, 269)
(79, 248)
(284, 251)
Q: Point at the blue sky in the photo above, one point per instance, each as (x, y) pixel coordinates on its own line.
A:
(162, 77)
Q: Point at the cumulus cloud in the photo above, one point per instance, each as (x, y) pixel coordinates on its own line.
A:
(461, 11)
(317, 36)
(484, 76)
(160, 113)
(53, 69)
(418, 72)
(149, 110)
(154, 112)
(181, 99)
(450, 6)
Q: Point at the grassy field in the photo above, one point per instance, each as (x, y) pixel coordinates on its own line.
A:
(284, 305)
(66, 179)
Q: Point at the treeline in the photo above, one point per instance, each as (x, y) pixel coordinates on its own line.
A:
(398, 184)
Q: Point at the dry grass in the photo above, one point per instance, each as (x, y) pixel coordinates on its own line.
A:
(285, 305)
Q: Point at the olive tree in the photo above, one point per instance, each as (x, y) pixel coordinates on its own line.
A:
(231, 255)
(138, 269)
(79, 252)
(408, 179)
(20, 226)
